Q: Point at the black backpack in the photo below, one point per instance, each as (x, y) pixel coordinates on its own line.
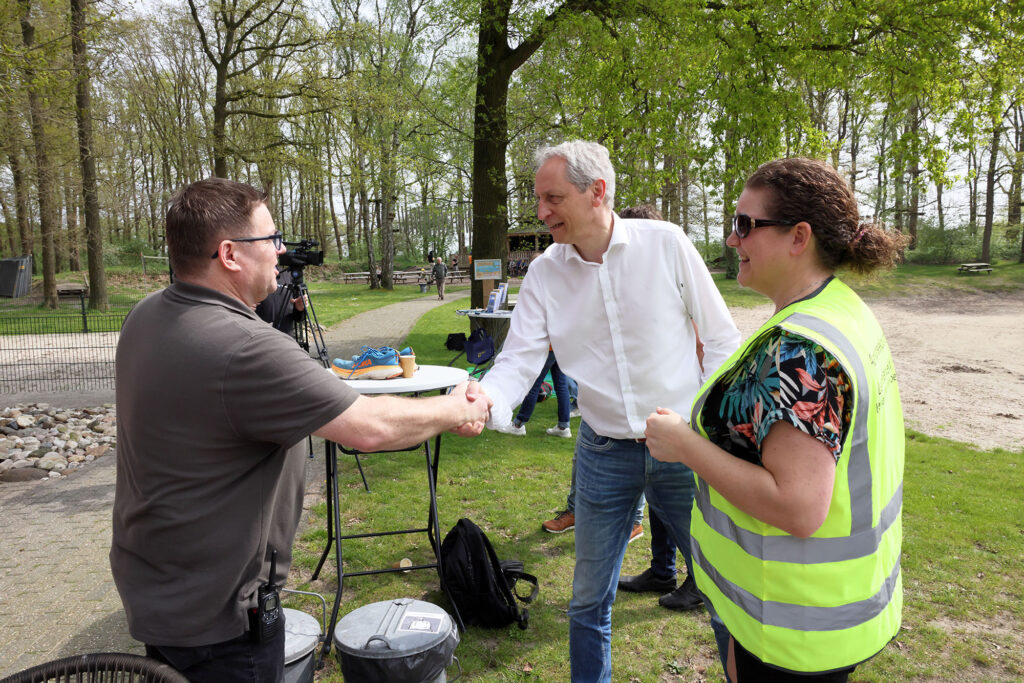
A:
(482, 586)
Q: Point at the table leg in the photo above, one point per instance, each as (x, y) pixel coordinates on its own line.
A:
(433, 524)
(331, 475)
(335, 520)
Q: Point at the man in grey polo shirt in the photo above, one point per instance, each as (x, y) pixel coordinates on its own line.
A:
(213, 405)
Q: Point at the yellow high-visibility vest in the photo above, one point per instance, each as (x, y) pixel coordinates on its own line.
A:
(834, 599)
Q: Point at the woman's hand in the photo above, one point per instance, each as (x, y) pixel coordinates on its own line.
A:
(667, 434)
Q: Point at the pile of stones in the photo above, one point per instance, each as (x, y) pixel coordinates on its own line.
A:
(38, 442)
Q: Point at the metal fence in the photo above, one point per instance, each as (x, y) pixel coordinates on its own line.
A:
(67, 349)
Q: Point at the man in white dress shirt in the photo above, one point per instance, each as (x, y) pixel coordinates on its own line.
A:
(613, 297)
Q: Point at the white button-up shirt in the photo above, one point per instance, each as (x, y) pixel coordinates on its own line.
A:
(621, 328)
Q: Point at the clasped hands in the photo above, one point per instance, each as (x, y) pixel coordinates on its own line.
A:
(479, 405)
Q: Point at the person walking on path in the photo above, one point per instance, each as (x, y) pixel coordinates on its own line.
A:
(439, 273)
(613, 298)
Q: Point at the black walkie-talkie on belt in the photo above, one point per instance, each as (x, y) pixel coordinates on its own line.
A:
(265, 618)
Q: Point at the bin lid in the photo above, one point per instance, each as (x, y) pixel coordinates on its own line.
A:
(392, 629)
(301, 634)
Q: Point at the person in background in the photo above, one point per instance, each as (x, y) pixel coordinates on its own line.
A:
(439, 272)
(280, 309)
(613, 298)
(212, 407)
(660, 576)
(560, 384)
(797, 442)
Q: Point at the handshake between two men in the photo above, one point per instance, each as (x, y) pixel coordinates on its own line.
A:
(383, 423)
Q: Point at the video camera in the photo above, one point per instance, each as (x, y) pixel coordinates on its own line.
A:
(302, 255)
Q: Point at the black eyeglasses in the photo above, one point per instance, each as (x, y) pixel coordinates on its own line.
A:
(277, 238)
(742, 224)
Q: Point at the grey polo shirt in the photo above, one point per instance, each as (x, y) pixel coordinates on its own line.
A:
(213, 405)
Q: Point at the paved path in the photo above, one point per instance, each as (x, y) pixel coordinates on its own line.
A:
(57, 597)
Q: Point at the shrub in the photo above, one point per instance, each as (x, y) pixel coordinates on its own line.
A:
(957, 245)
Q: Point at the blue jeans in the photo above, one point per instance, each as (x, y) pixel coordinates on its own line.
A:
(663, 550)
(638, 517)
(561, 386)
(722, 636)
(611, 476)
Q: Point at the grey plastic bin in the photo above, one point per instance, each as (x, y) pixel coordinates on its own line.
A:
(396, 641)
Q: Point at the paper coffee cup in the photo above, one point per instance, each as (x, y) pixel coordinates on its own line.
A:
(408, 364)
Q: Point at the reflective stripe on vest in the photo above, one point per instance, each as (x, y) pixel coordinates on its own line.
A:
(810, 618)
(799, 550)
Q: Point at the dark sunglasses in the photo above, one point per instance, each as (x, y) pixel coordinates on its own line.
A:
(742, 224)
(277, 237)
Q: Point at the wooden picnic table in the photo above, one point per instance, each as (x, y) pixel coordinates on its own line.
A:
(974, 268)
(407, 277)
(71, 289)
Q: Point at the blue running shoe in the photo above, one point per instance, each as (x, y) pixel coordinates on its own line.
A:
(370, 364)
(407, 351)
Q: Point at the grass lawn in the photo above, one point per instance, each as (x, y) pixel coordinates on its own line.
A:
(962, 561)
(908, 280)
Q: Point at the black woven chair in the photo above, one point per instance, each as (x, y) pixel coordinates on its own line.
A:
(108, 667)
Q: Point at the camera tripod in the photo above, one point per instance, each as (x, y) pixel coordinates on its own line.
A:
(308, 327)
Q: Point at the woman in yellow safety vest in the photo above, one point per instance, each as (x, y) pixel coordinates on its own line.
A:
(797, 443)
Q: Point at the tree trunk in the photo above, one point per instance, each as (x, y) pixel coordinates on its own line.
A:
(729, 196)
(21, 199)
(364, 214)
(990, 193)
(388, 199)
(71, 219)
(44, 169)
(90, 197)
(490, 141)
(460, 212)
(330, 194)
(220, 114)
(854, 151)
(11, 227)
(1013, 200)
(915, 170)
(670, 192)
(684, 191)
(350, 223)
(972, 185)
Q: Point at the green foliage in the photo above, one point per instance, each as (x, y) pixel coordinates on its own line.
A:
(958, 245)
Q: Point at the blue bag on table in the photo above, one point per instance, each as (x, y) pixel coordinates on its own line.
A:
(479, 347)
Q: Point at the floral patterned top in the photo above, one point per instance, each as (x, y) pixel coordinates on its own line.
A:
(786, 377)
